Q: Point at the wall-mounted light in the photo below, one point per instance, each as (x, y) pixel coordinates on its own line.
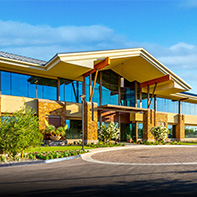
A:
(122, 82)
(122, 78)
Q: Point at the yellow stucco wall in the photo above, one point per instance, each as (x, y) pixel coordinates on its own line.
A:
(73, 110)
(190, 120)
(12, 103)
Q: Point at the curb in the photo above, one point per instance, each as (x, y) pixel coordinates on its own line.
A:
(14, 164)
(88, 157)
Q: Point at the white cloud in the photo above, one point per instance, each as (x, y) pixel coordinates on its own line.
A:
(43, 42)
(189, 3)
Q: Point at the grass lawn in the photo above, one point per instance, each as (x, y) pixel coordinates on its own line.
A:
(54, 148)
(188, 143)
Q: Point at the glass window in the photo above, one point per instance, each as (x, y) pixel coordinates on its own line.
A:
(5, 83)
(172, 129)
(140, 130)
(190, 131)
(74, 130)
(28, 86)
(70, 91)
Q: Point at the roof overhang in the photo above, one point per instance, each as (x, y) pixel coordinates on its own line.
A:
(133, 64)
(119, 108)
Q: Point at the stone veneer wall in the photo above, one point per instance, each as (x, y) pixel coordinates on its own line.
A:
(161, 117)
(53, 108)
(150, 119)
(148, 123)
(180, 128)
(90, 123)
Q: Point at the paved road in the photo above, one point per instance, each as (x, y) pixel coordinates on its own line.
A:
(81, 178)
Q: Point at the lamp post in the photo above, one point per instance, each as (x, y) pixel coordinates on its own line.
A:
(83, 102)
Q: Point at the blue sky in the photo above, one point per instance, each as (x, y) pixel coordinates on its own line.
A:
(40, 29)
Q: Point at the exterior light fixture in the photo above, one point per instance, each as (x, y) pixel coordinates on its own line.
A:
(122, 82)
(122, 78)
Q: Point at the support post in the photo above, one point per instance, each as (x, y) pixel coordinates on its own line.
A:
(179, 107)
(100, 88)
(92, 92)
(58, 89)
(90, 85)
(155, 108)
(140, 97)
(119, 90)
(136, 131)
(136, 94)
(83, 102)
(77, 92)
(148, 95)
(149, 103)
(119, 126)
(84, 86)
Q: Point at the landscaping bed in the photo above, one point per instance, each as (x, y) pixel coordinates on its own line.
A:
(44, 155)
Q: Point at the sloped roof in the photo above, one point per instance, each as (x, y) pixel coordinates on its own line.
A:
(21, 58)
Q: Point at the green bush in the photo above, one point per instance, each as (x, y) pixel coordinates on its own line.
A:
(19, 131)
(160, 133)
(107, 132)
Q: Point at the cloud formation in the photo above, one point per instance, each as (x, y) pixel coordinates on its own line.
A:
(189, 3)
(43, 42)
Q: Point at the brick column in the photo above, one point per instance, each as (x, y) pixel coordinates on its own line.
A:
(148, 123)
(180, 128)
(90, 122)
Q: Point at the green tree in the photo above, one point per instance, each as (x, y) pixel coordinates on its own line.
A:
(160, 133)
(107, 132)
(19, 131)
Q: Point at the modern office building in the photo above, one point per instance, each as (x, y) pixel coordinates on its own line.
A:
(127, 86)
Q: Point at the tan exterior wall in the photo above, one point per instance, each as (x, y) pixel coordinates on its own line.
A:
(12, 103)
(73, 110)
(138, 117)
(172, 118)
(90, 122)
(190, 120)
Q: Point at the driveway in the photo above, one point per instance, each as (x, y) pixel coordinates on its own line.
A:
(116, 177)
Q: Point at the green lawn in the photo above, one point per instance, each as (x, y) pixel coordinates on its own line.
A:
(188, 143)
(54, 148)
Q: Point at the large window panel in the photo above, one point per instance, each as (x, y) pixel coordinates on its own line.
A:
(20, 85)
(190, 131)
(5, 83)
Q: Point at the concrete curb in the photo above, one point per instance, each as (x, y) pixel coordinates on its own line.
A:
(15, 164)
(88, 157)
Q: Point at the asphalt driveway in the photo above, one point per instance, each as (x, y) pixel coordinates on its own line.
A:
(82, 178)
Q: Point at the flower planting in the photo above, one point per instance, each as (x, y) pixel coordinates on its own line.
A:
(105, 144)
(54, 154)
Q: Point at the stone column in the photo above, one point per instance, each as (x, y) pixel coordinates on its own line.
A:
(90, 123)
(180, 128)
(148, 123)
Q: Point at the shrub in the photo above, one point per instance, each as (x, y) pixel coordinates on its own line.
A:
(108, 132)
(50, 129)
(160, 133)
(19, 131)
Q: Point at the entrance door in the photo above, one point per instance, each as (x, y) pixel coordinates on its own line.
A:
(126, 128)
